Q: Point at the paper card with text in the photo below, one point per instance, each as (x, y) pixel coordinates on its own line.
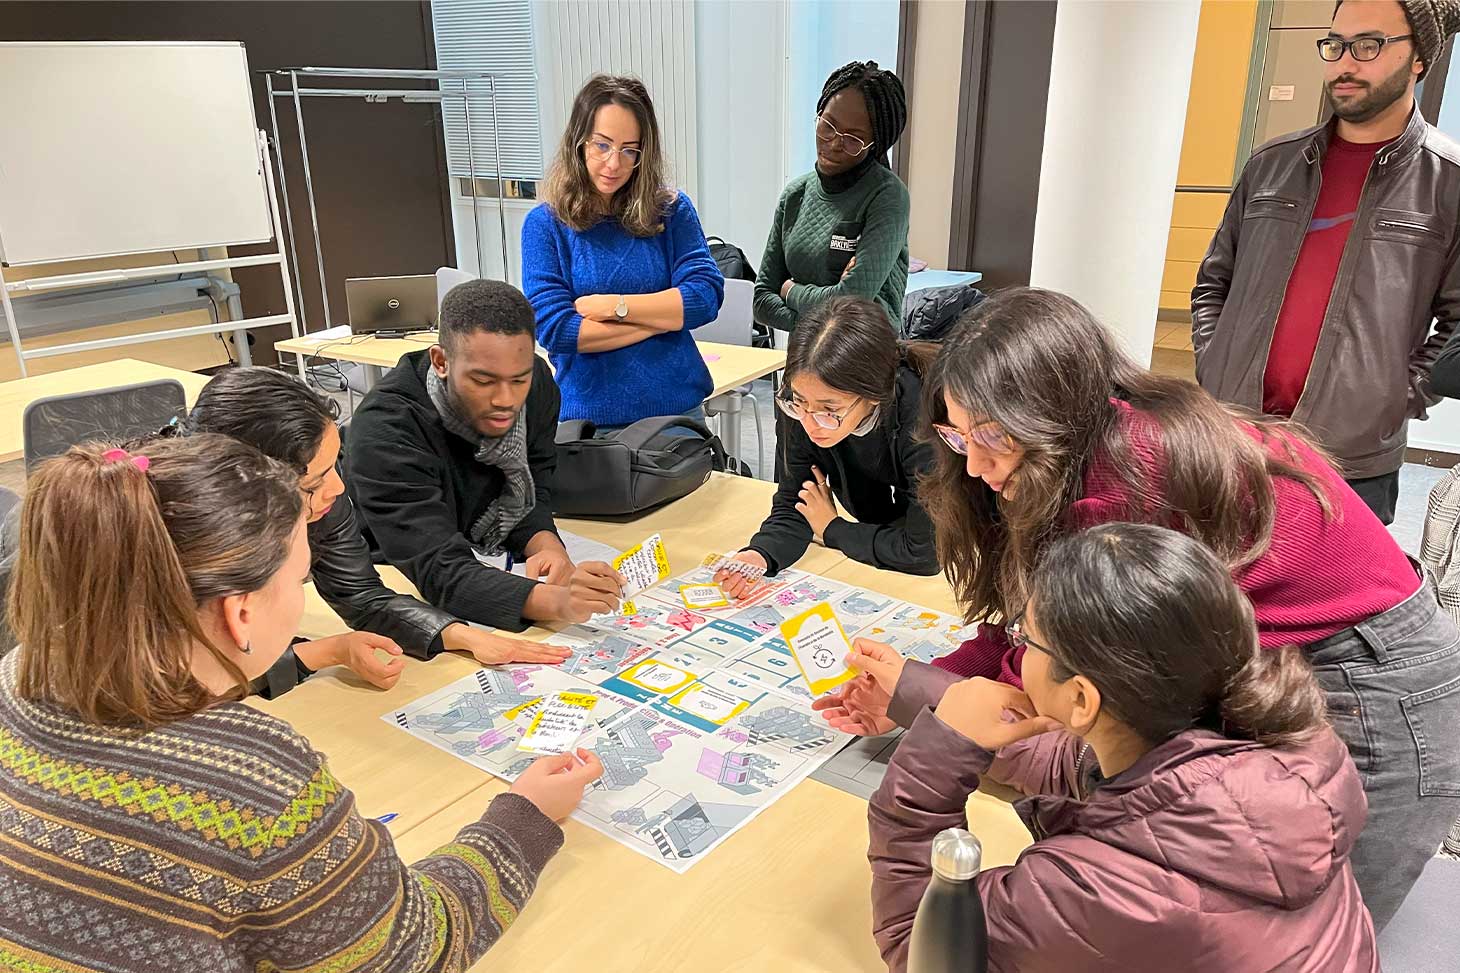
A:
(719, 562)
(643, 566)
(698, 597)
(559, 725)
(820, 647)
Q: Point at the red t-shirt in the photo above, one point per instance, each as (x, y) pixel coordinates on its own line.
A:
(1295, 336)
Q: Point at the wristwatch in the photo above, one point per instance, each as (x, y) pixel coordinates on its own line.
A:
(621, 310)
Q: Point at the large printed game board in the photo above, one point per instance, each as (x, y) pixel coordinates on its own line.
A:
(703, 718)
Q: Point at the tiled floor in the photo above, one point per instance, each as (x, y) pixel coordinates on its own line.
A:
(1173, 336)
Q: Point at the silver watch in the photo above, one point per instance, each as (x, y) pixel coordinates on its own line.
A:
(621, 310)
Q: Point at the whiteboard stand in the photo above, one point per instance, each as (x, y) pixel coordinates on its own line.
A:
(440, 94)
(41, 285)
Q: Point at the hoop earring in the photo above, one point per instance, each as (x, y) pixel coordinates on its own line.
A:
(247, 647)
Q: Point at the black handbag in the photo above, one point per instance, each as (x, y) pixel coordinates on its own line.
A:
(732, 261)
(634, 469)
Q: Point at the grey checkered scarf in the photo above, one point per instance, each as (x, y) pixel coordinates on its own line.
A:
(507, 453)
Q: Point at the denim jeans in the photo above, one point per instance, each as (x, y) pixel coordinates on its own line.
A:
(1393, 687)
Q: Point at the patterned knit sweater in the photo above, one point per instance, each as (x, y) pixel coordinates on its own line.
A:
(222, 843)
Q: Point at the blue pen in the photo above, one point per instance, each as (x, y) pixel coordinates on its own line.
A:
(508, 568)
(387, 818)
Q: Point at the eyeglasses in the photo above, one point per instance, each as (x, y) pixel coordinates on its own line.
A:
(987, 436)
(826, 420)
(1017, 637)
(850, 144)
(1362, 48)
(601, 151)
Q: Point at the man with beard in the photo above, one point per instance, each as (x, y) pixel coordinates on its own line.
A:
(451, 460)
(1338, 252)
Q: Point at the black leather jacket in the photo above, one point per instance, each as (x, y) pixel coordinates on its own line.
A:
(346, 579)
(1399, 272)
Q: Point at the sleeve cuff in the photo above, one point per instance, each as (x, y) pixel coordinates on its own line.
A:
(920, 687)
(696, 310)
(535, 834)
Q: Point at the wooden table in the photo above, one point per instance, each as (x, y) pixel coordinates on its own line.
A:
(16, 395)
(789, 892)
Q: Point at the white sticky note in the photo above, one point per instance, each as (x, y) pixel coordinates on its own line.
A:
(559, 725)
(819, 645)
(700, 596)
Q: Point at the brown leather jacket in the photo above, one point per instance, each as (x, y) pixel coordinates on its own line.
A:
(1371, 370)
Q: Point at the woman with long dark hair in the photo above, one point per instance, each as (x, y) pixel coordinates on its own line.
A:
(290, 422)
(840, 230)
(851, 398)
(616, 266)
(1187, 799)
(1045, 427)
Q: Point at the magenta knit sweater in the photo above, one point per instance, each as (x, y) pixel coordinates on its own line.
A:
(1318, 577)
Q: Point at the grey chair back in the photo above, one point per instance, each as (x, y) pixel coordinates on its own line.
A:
(55, 424)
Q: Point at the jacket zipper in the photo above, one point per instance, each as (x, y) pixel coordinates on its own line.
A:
(1079, 772)
(1403, 225)
(1287, 278)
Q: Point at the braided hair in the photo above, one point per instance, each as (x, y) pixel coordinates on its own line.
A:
(886, 101)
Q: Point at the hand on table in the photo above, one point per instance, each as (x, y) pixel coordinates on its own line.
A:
(991, 714)
(737, 586)
(817, 504)
(491, 649)
(555, 784)
(357, 650)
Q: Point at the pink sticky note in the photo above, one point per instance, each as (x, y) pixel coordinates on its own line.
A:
(710, 356)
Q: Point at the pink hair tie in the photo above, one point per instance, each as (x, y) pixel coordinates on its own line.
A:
(119, 455)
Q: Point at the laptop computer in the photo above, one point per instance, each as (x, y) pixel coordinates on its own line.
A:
(391, 306)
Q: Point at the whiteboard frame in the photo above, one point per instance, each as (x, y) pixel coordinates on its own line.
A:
(37, 285)
(163, 245)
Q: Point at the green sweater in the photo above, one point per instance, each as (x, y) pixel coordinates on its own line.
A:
(800, 247)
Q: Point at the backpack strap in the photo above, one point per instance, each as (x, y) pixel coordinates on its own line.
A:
(573, 430)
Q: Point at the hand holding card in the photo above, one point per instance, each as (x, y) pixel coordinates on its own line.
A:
(820, 646)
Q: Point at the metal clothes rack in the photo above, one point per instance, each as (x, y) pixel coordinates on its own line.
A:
(295, 93)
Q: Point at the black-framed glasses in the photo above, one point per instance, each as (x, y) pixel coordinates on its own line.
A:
(600, 151)
(826, 420)
(1362, 48)
(850, 144)
(1014, 630)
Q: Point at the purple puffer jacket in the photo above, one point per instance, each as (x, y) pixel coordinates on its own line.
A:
(1207, 855)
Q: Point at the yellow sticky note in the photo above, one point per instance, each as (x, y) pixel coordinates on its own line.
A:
(525, 709)
(819, 645)
(698, 596)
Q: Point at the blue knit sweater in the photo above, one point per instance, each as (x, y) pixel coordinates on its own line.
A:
(659, 376)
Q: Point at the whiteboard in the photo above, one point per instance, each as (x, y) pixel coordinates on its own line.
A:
(114, 148)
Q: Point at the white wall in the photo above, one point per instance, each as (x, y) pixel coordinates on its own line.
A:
(1119, 77)
(932, 125)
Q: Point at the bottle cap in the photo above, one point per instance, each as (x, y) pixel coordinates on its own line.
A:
(956, 855)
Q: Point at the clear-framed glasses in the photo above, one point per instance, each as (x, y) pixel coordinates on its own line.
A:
(850, 144)
(1362, 48)
(826, 420)
(600, 151)
(987, 436)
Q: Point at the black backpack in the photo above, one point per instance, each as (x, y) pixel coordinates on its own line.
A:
(732, 261)
(928, 314)
(633, 469)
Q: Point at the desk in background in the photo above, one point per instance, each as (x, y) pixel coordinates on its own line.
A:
(16, 395)
(787, 893)
(731, 366)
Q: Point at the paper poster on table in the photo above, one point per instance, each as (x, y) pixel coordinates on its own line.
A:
(820, 647)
